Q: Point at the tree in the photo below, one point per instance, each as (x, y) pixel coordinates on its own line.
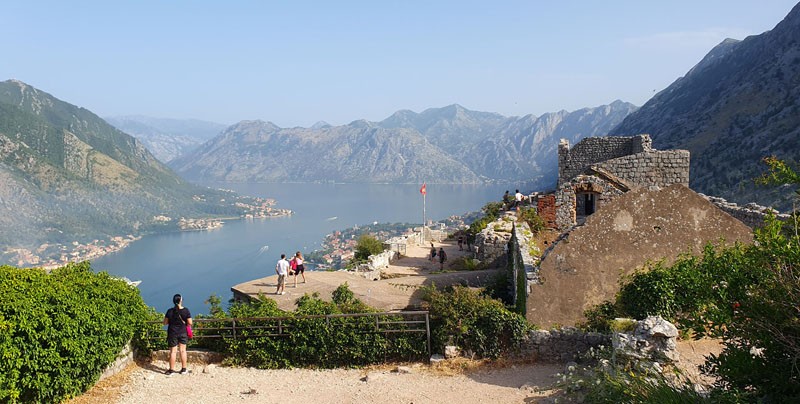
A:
(367, 245)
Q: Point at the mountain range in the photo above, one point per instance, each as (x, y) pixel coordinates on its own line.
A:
(738, 105)
(439, 145)
(66, 175)
(167, 138)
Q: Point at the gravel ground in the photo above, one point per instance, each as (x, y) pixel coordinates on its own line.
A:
(147, 383)
(492, 383)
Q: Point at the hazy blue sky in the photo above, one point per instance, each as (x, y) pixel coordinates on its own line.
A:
(296, 62)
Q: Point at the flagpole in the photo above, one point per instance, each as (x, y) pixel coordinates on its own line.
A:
(424, 192)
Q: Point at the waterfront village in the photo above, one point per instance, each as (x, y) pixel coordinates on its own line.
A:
(339, 247)
(53, 255)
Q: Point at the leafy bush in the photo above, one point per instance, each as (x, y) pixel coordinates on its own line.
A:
(599, 316)
(316, 342)
(535, 222)
(491, 212)
(697, 293)
(762, 346)
(746, 294)
(476, 323)
(59, 331)
(367, 245)
(493, 209)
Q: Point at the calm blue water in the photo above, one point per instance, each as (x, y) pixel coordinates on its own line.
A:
(199, 264)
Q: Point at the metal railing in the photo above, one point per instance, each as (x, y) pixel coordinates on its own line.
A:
(409, 322)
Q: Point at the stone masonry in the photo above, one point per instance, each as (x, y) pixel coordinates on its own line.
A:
(752, 214)
(599, 169)
(561, 345)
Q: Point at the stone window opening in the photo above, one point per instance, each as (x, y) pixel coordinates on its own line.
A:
(585, 205)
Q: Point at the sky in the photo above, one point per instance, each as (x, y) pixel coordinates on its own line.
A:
(298, 62)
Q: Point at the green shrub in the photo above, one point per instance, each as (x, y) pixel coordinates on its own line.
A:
(493, 209)
(59, 331)
(476, 323)
(598, 317)
(367, 245)
(498, 288)
(317, 342)
(761, 351)
(696, 293)
(535, 222)
(746, 294)
(491, 212)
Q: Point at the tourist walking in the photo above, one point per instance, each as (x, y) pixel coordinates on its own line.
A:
(442, 258)
(298, 267)
(470, 240)
(282, 269)
(433, 252)
(518, 200)
(460, 242)
(506, 201)
(178, 320)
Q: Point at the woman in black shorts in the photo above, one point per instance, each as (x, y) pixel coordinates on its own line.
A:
(301, 269)
(177, 318)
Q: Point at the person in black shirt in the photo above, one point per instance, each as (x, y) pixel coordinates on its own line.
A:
(177, 318)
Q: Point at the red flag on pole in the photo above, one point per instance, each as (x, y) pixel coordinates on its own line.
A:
(423, 190)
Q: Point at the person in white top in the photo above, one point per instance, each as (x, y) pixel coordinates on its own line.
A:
(281, 268)
(518, 199)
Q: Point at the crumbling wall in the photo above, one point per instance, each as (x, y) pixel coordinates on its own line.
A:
(752, 214)
(565, 197)
(561, 345)
(491, 244)
(546, 209)
(592, 150)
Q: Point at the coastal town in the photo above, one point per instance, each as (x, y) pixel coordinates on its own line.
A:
(53, 255)
(338, 248)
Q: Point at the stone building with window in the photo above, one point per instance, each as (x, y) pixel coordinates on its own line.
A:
(598, 169)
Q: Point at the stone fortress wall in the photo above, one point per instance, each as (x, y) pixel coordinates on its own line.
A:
(751, 214)
(630, 159)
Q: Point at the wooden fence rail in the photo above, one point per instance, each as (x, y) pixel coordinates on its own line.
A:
(404, 322)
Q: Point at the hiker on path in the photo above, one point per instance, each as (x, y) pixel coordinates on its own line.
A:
(177, 319)
(433, 252)
(282, 269)
(298, 267)
(442, 258)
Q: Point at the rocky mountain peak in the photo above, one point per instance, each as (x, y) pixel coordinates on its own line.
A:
(735, 107)
(320, 125)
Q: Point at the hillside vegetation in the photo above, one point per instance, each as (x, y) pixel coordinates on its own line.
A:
(67, 175)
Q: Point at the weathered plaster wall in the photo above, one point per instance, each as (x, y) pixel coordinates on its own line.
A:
(584, 268)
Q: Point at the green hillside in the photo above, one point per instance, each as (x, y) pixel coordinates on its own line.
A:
(70, 176)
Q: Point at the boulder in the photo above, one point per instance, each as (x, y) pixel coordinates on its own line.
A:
(652, 339)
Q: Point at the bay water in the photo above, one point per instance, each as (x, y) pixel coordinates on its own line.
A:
(197, 264)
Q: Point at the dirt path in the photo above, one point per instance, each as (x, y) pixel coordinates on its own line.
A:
(216, 384)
